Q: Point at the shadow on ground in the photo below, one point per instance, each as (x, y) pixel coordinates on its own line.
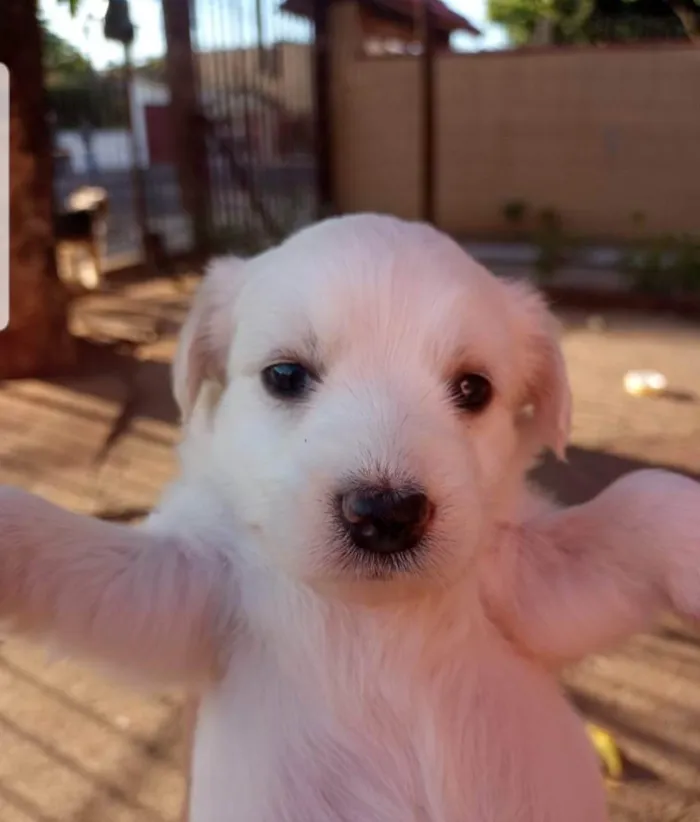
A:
(645, 695)
(587, 472)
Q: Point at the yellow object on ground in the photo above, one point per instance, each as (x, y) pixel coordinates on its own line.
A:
(607, 751)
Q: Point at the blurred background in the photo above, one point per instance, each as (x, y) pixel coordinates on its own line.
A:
(557, 140)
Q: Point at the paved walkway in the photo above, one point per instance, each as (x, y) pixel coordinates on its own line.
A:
(76, 747)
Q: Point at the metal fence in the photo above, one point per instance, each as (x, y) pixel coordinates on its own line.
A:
(99, 99)
(112, 123)
(254, 68)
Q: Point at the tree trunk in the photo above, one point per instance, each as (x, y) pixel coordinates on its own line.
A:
(37, 341)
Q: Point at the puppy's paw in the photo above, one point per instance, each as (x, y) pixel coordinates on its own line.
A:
(659, 512)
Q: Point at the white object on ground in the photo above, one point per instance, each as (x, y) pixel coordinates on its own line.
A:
(645, 383)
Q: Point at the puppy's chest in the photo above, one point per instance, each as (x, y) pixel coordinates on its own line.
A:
(291, 753)
(366, 741)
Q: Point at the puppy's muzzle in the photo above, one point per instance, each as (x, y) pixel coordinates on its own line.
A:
(381, 521)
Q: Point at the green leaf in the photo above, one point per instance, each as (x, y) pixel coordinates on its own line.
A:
(72, 5)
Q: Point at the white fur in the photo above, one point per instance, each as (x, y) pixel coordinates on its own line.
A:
(335, 695)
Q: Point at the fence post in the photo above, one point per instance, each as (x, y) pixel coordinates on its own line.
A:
(138, 182)
(188, 126)
(427, 112)
(323, 121)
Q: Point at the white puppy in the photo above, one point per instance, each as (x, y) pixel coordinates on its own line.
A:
(350, 562)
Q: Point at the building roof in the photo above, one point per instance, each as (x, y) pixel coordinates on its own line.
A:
(443, 17)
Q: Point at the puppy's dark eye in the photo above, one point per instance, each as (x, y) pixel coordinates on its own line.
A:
(472, 392)
(287, 380)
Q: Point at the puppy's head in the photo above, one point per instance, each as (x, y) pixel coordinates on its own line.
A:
(371, 398)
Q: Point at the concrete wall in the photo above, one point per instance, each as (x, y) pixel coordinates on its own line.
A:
(597, 134)
(376, 138)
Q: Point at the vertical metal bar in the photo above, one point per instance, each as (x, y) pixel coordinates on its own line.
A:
(260, 37)
(245, 157)
(208, 88)
(257, 120)
(223, 63)
(427, 113)
(190, 142)
(137, 178)
(322, 104)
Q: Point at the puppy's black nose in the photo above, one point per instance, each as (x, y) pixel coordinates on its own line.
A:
(385, 522)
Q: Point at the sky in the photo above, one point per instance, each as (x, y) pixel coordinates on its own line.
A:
(216, 29)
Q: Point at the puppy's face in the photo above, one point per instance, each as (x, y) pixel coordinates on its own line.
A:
(380, 396)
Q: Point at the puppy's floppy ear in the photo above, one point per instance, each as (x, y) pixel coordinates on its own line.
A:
(207, 333)
(546, 398)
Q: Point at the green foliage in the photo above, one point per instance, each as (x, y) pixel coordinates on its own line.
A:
(667, 264)
(686, 264)
(102, 103)
(63, 63)
(77, 93)
(520, 17)
(597, 21)
(515, 211)
(118, 25)
(152, 69)
(545, 229)
(551, 242)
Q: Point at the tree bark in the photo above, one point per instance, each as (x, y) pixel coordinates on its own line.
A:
(37, 341)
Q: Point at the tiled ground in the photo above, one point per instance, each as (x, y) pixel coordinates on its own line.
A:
(76, 747)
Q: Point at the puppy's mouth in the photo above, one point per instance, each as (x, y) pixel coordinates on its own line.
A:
(372, 566)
